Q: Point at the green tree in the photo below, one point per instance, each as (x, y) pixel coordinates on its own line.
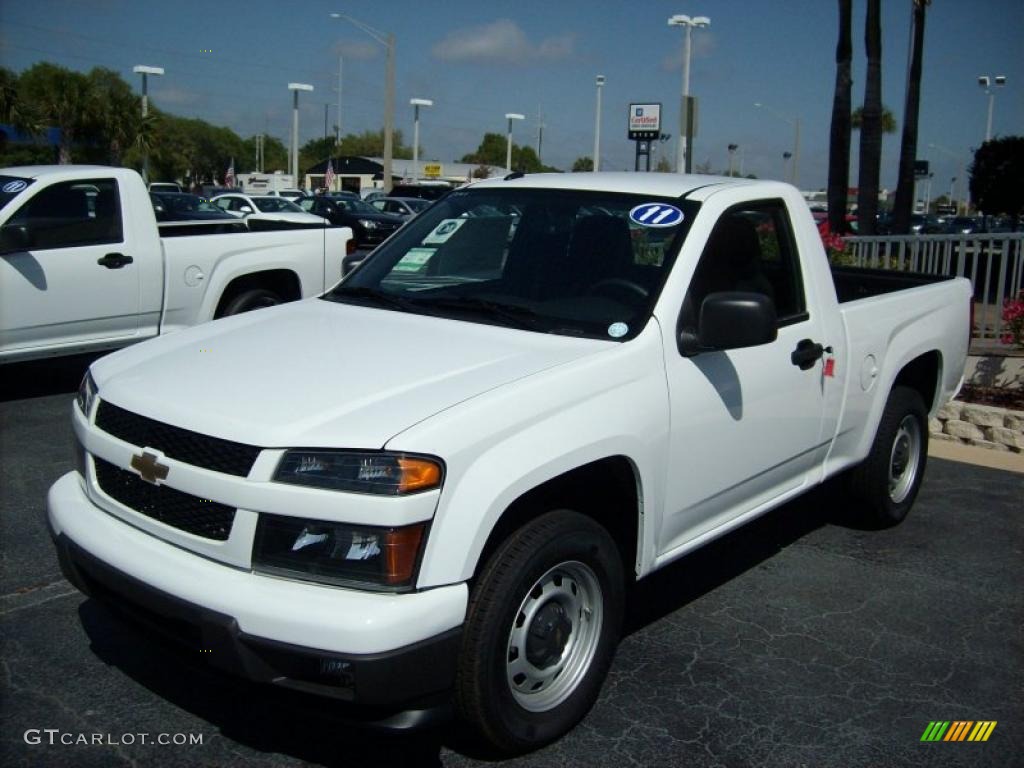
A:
(583, 164)
(871, 123)
(995, 176)
(371, 144)
(839, 135)
(904, 203)
(493, 149)
(62, 98)
(114, 112)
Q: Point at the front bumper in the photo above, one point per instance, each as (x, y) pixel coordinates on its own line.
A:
(380, 650)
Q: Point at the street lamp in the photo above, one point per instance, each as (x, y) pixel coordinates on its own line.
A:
(989, 87)
(510, 116)
(416, 104)
(295, 88)
(388, 41)
(145, 72)
(785, 159)
(795, 122)
(597, 125)
(732, 156)
(688, 22)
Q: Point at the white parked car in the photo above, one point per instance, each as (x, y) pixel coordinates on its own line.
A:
(281, 208)
(436, 484)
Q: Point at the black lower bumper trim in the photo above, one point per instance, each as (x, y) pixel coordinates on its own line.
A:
(409, 685)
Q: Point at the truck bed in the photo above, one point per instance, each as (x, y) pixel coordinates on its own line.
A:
(854, 283)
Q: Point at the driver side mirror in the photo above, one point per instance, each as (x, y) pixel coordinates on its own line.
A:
(14, 238)
(730, 320)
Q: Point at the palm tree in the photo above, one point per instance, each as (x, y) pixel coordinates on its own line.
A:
(871, 123)
(62, 98)
(14, 110)
(839, 137)
(114, 111)
(903, 206)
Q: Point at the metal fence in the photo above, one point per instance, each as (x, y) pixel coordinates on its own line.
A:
(993, 263)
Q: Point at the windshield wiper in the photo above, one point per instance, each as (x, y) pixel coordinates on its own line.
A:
(381, 298)
(510, 314)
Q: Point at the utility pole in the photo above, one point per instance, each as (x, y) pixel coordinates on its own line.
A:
(540, 132)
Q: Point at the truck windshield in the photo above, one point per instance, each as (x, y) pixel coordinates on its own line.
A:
(10, 187)
(547, 260)
(276, 205)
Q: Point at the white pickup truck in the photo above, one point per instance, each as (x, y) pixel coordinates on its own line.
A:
(84, 267)
(435, 483)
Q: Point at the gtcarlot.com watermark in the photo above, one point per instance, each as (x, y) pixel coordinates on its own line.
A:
(56, 737)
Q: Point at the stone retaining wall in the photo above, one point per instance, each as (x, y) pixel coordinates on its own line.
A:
(985, 426)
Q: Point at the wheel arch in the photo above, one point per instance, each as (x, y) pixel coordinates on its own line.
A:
(608, 490)
(922, 374)
(283, 282)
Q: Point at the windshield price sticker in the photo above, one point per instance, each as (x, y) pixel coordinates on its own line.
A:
(413, 260)
(13, 187)
(443, 231)
(656, 215)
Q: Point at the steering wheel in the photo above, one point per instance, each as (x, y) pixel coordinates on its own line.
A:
(621, 284)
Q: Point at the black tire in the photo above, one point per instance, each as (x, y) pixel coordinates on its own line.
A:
(886, 483)
(561, 568)
(246, 301)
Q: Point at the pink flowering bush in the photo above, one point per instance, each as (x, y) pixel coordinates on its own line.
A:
(836, 250)
(1013, 316)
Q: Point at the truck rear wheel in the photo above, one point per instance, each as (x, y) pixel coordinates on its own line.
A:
(541, 630)
(887, 481)
(256, 298)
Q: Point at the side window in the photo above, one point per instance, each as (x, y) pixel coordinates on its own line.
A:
(72, 213)
(223, 203)
(750, 249)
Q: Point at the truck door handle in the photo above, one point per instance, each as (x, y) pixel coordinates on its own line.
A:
(806, 354)
(114, 260)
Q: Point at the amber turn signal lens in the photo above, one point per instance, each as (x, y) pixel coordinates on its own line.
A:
(401, 548)
(417, 474)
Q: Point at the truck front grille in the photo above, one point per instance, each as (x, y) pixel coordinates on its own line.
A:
(204, 451)
(201, 517)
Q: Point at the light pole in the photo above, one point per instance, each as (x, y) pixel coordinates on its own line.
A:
(510, 116)
(795, 122)
(295, 88)
(785, 159)
(597, 125)
(687, 22)
(416, 104)
(989, 87)
(388, 41)
(959, 175)
(145, 72)
(732, 156)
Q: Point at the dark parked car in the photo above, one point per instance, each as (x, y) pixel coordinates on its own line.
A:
(422, 191)
(369, 226)
(406, 207)
(179, 206)
(965, 225)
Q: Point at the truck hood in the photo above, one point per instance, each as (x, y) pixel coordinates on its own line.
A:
(321, 374)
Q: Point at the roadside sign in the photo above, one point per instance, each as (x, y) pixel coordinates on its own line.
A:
(432, 170)
(644, 121)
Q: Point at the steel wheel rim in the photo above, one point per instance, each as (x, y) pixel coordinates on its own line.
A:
(904, 459)
(571, 593)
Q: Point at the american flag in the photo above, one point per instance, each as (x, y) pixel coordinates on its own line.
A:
(329, 176)
(229, 177)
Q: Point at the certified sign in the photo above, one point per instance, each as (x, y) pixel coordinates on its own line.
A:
(644, 121)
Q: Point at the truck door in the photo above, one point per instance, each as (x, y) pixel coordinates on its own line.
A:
(745, 423)
(72, 279)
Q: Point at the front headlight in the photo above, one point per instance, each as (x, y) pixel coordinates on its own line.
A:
(86, 394)
(368, 223)
(338, 553)
(390, 474)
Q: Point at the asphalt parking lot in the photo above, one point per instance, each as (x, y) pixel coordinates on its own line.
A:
(798, 641)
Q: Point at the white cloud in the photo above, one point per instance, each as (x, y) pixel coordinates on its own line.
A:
(702, 45)
(501, 41)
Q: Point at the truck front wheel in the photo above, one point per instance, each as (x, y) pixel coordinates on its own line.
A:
(887, 481)
(541, 630)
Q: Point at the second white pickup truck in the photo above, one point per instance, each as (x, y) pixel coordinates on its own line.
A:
(84, 267)
(434, 484)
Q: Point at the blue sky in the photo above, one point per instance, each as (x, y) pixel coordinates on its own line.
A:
(482, 58)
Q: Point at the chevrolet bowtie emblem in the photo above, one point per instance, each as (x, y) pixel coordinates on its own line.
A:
(150, 468)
